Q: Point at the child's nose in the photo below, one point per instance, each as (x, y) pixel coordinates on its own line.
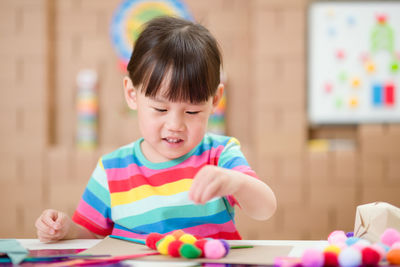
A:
(175, 123)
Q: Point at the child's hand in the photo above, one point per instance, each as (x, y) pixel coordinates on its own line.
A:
(52, 225)
(212, 181)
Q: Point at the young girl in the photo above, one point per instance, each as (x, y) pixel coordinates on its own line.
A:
(177, 176)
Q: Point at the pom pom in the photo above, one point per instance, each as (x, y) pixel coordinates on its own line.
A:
(380, 249)
(370, 257)
(152, 239)
(361, 244)
(162, 245)
(393, 256)
(226, 246)
(187, 239)
(349, 257)
(173, 248)
(352, 240)
(312, 258)
(390, 236)
(200, 245)
(330, 259)
(214, 249)
(333, 248)
(178, 233)
(350, 234)
(189, 251)
(337, 237)
(396, 245)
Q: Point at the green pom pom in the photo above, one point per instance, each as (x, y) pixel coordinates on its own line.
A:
(189, 251)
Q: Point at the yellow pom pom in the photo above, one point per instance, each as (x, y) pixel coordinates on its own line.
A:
(178, 233)
(188, 239)
(162, 245)
(332, 248)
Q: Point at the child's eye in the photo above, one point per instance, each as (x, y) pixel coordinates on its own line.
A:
(160, 110)
(192, 112)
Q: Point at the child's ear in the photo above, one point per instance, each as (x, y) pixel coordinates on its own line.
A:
(218, 96)
(130, 93)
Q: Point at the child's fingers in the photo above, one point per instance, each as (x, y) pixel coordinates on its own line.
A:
(43, 227)
(196, 190)
(210, 191)
(49, 217)
(62, 220)
(45, 236)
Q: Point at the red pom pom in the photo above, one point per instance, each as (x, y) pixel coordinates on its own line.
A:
(330, 259)
(370, 257)
(152, 239)
(200, 245)
(173, 248)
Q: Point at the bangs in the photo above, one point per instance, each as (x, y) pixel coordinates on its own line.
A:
(182, 63)
(183, 81)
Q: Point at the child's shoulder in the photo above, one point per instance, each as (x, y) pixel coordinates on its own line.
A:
(218, 140)
(121, 152)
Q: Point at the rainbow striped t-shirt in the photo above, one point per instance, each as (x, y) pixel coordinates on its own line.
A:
(129, 196)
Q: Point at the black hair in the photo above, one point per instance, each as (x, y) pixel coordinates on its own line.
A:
(181, 50)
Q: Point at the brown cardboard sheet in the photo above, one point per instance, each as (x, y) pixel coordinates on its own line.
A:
(254, 255)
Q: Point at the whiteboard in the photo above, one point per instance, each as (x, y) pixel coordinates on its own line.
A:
(353, 62)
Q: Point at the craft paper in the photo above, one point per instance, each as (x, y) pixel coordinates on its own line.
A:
(254, 255)
(374, 218)
(13, 249)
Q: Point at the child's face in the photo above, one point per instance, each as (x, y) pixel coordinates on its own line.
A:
(170, 129)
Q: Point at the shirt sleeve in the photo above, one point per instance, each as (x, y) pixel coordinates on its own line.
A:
(232, 158)
(94, 209)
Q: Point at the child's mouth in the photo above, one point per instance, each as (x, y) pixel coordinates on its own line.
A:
(173, 140)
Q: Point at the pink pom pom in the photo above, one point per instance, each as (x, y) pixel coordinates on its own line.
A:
(214, 249)
(312, 258)
(390, 236)
(337, 237)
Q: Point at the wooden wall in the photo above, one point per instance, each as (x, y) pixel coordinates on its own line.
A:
(43, 45)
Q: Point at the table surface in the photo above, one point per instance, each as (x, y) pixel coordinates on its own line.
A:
(298, 247)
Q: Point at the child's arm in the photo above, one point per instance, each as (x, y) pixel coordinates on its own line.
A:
(255, 197)
(55, 225)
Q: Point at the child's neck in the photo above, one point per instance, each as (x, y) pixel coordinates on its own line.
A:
(150, 154)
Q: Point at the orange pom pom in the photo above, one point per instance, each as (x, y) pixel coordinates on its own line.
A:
(393, 256)
(178, 233)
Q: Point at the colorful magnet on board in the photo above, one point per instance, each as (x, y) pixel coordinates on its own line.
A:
(381, 18)
(340, 54)
(394, 66)
(330, 13)
(377, 94)
(328, 87)
(342, 76)
(338, 102)
(351, 20)
(364, 57)
(389, 93)
(369, 67)
(355, 82)
(331, 31)
(353, 102)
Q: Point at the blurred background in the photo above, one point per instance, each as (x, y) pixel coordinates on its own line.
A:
(319, 172)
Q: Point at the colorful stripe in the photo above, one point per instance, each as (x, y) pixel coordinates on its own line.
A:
(129, 196)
